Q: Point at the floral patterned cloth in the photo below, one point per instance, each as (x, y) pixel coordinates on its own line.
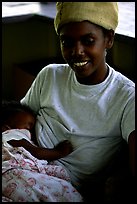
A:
(28, 179)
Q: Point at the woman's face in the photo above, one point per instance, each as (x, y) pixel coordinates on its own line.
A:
(83, 46)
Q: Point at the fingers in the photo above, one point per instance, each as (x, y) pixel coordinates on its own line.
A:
(66, 141)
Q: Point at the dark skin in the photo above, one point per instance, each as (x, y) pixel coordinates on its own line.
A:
(24, 120)
(132, 150)
(86, 42)
(60, 150)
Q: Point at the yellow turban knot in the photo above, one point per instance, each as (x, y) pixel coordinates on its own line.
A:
(104, 14)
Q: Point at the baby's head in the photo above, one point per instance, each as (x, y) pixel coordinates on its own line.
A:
(17, 116)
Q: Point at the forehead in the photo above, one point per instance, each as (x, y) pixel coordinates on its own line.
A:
(80, 29)
(23, 116)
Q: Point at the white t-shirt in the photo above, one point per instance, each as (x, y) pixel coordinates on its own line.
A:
(95, 118)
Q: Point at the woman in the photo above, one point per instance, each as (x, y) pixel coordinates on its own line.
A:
(85, 100)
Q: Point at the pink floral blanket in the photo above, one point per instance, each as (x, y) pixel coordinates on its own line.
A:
(28, 179)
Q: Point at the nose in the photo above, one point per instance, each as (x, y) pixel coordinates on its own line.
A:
(78, 49)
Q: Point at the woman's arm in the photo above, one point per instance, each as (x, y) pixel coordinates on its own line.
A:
(131, 145)
(61, 150)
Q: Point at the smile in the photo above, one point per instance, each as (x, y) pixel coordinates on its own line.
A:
(80, 64)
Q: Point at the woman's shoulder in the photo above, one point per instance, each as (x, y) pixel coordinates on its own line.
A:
(122, 80)
(55, 68)
(120, 85)
(53, 72)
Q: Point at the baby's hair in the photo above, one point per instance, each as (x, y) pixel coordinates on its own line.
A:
(11, 108)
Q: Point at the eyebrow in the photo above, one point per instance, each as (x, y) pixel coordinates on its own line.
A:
(89, 35)
(85, 35)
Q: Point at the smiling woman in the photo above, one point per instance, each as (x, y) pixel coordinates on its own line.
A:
(82, 45)
(83, 95)
(86, 101)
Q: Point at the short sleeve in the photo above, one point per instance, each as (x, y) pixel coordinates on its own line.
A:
(128, 118)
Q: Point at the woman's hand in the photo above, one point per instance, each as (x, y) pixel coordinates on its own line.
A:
(64, 148)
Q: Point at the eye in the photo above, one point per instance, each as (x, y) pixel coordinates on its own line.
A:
(87, 41)
(67, 43)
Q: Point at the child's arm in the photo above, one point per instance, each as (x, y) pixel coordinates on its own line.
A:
(59, 151)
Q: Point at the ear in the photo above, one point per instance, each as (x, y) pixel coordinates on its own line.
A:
(110, 39)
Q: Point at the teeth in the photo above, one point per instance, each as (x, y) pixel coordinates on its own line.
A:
(79, 64)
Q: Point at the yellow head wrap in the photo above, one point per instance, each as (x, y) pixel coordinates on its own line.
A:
(104, 14)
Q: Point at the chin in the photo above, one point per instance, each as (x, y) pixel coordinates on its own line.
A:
(83, 74)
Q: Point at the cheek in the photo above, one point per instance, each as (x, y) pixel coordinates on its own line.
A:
(65, 54)
(19, 126)
(62, 50)
(96, 54)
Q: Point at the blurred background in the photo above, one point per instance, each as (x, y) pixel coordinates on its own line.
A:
(29, 43)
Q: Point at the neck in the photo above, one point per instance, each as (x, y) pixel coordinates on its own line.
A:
(94, 78)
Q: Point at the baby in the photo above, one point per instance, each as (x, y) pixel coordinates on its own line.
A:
(22, 156)
(18, 122)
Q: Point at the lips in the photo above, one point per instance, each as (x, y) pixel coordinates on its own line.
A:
(79, 64)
